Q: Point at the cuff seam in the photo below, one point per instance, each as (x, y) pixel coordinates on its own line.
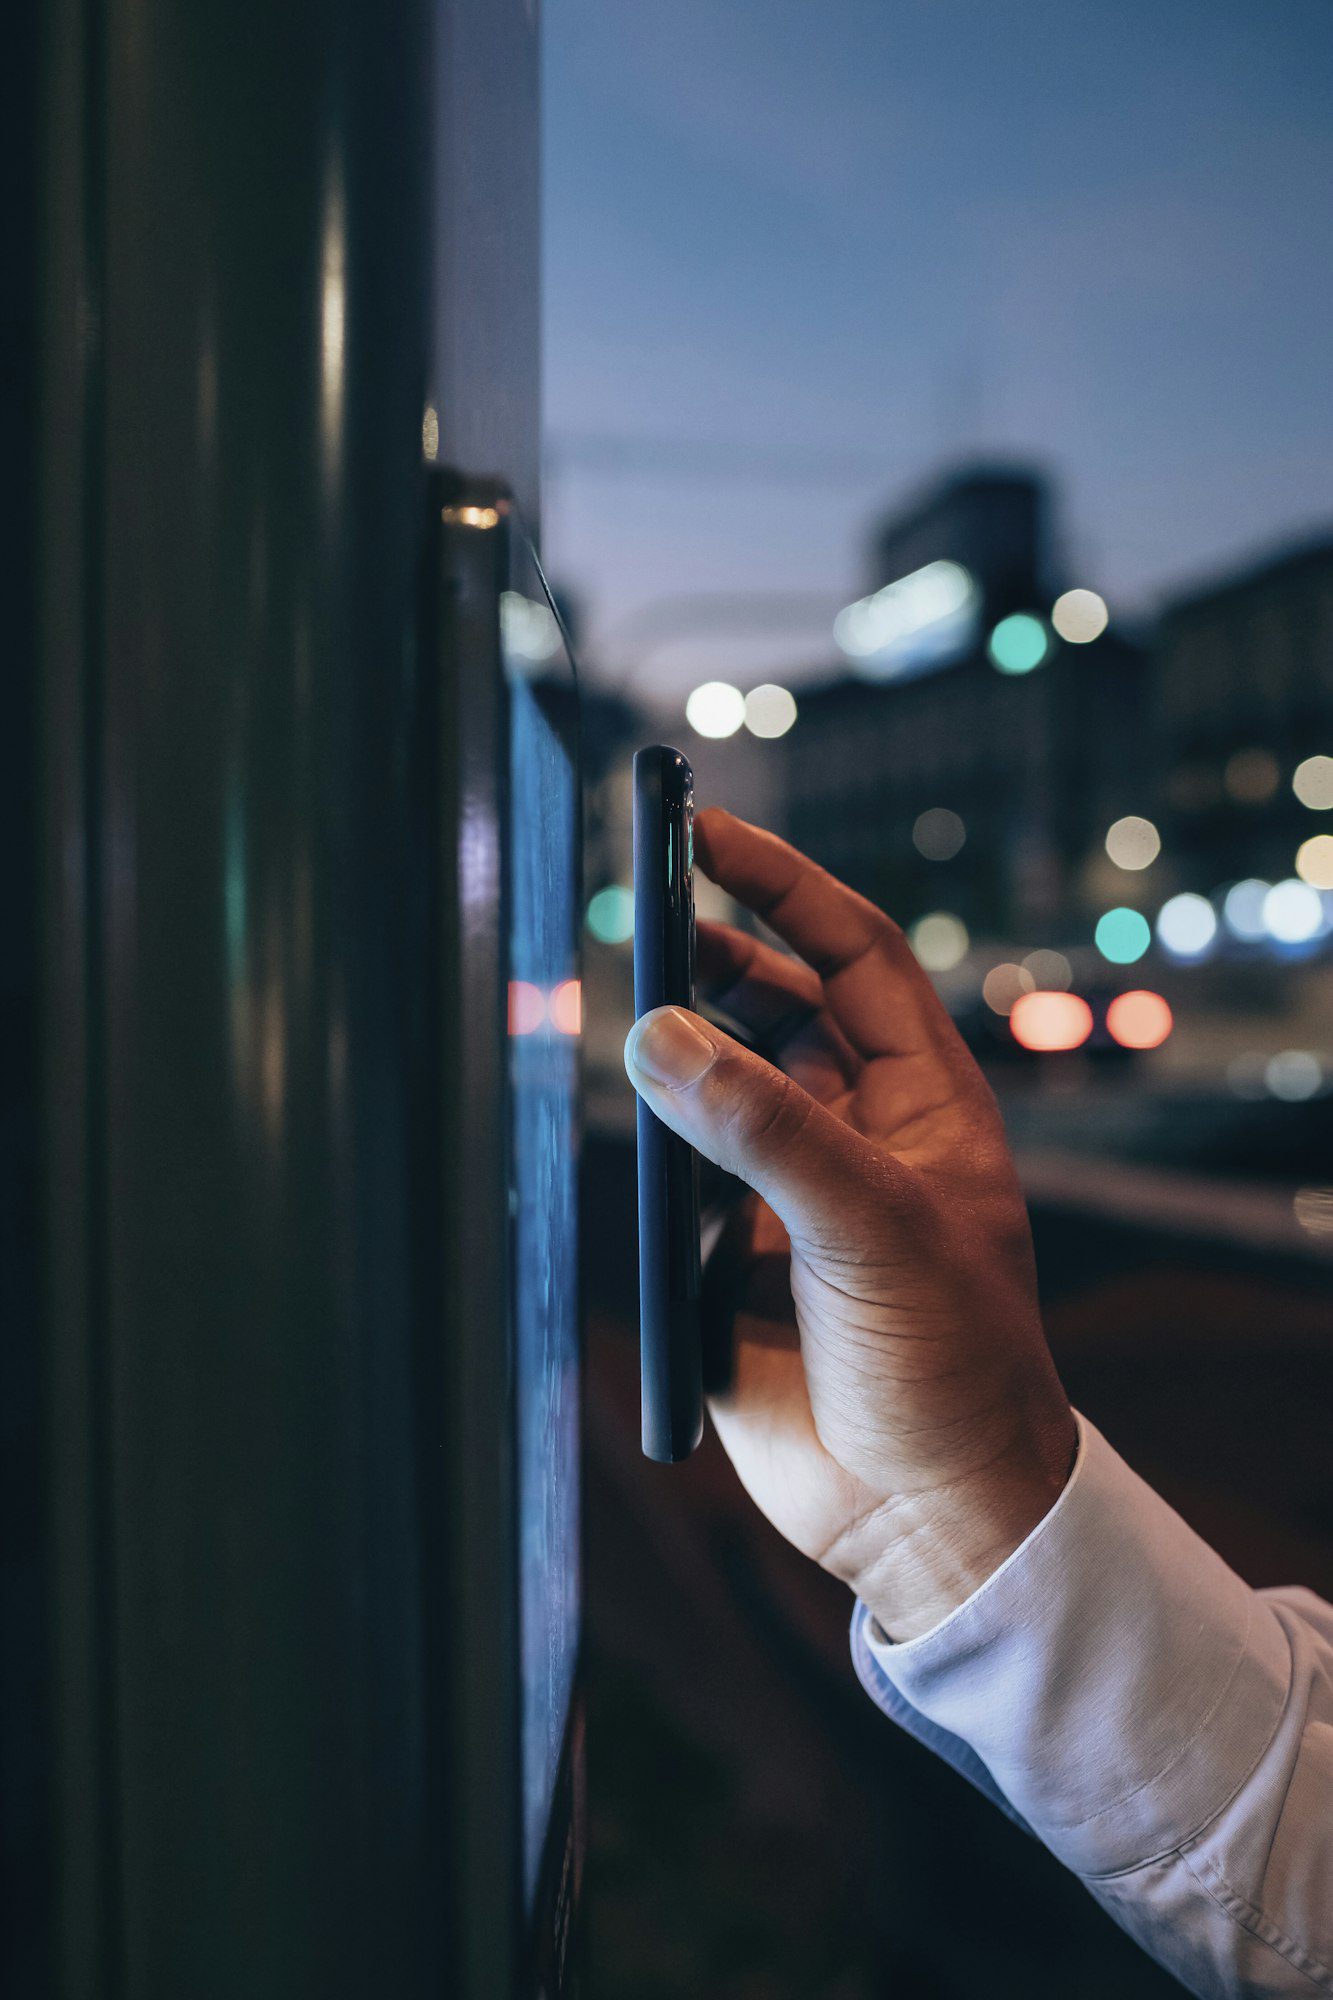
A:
(1182, 1750)
(1178, 1844)
(1242, 1912)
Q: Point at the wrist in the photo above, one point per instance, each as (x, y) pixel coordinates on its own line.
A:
(920, 1556)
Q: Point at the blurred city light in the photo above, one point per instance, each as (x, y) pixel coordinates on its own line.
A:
(940, 941)
(1049, 1021)
(1251, 777)
(1122, 935)
(527, 1007)
(1133, 842)
(1051, 970)
(1312, 782)
(1004, 986)
(1314, 861)
(715, 709)
(1018, 644)
(917, 618)
(1080, 616)
(1313, 1209)
(1244, 909)
(769, 710)
(1138, 1020)
(528, 630)
(938, 834)
(1293, 912)
(1294, 1075)
(471, 517)
(567, 1007)
(1187, 924)
(611, 914)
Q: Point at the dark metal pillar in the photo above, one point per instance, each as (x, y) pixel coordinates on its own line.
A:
(282, 243)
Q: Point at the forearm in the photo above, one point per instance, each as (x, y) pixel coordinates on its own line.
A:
(1165, 1729)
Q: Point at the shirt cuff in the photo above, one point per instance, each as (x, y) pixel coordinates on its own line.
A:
(1114, 1677)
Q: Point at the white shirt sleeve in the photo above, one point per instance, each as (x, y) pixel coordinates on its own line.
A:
(1166, 1730)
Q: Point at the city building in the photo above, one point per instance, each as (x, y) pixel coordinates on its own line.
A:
(959, 775)
(1243, 696)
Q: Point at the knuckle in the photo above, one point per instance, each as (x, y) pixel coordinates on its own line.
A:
(769, 1120)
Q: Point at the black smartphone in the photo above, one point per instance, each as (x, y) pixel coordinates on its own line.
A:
(671, 1363)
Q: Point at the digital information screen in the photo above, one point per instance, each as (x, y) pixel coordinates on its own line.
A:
(544, 1026)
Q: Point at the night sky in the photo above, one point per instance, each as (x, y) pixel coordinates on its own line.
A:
(800, 255)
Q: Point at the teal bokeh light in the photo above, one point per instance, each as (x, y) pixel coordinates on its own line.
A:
(1122, 936)
(611, 915)
(1019, 643)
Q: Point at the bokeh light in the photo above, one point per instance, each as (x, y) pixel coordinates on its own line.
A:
(938, 834)
(1314, 861)
(913, 616)
(1050, 1021)
(1122, 935)
(715, 709)
(769, 710)
(1051, 970)
(1133, 842)
(1138, 1020)
(1244, 908)
(1312, 782)
(1251, 777)
(1313, 1209)
(940, 941)
(1294, 1075)
(1004, 985)
(528, 630)
(1293, 912)
(611, 914)
(1187, 924)
(1079, 616)
(1018, 644)
(567, 1007)
(527, 1007)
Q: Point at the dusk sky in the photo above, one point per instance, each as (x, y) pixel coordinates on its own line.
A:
(799, 256)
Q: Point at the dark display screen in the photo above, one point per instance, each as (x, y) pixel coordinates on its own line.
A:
(544, 1027)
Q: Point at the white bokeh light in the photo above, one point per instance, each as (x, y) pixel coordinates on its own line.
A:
(1187, 925)
(769, 710)
(715, 709)
(1080, 616)
(1294, 1075)
(1312, 782)
(938, 834)
(1133, 842)
(1314, 861)
(940, 941)
(1244, 909)
(1293, 912)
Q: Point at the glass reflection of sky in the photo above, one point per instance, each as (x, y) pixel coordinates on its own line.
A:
(543, 1059)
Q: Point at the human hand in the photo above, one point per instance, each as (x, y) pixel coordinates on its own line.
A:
(893, 1406)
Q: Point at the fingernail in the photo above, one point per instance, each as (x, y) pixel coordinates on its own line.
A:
(667, 1047)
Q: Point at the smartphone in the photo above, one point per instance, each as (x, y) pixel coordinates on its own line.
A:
(670, 1351)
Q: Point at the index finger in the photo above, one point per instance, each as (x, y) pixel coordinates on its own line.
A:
(875, 990)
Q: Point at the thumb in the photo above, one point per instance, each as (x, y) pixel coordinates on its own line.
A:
(818, 1175)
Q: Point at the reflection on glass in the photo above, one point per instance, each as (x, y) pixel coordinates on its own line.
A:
(545, 1018)
(333, 321)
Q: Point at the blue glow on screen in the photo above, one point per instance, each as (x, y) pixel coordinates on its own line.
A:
(543, 1048)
